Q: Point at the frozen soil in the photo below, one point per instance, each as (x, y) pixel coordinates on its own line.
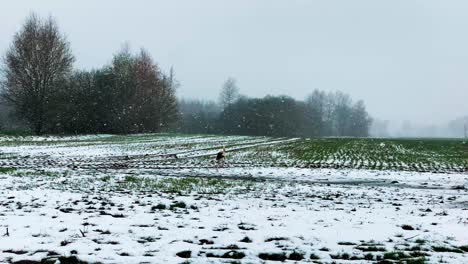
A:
(96, 200)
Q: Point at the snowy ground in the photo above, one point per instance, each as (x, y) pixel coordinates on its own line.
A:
(129, 200)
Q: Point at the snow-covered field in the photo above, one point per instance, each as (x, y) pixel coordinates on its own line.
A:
(129, 199)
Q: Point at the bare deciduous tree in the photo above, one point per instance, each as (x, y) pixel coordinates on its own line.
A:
(35, 65)
(229, 93)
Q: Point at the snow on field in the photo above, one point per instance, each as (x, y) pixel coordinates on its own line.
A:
(134, 203)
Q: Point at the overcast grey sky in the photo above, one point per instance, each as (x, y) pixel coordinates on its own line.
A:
(408, 60)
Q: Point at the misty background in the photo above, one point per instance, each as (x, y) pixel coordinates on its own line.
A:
(406, 59)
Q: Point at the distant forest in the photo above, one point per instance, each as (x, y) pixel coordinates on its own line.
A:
(43, 93)
(321, 114)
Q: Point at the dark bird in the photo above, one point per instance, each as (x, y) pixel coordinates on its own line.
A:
(220, 156)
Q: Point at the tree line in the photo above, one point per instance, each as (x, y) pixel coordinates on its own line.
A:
(320, 114)
(133, 95)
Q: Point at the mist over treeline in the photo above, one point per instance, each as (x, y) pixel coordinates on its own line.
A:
(456, 128)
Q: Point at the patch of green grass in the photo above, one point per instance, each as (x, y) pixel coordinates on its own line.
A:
(420, 260)
(447, 249)
(369, 256)
(178, 204)
(395, 255)
(420, 241)
(296, 256)
(7, 156)
(159, 206)
(464, 248)
(403, 257)
(344, 256)
(414, 248)
(105, 178)
(186, 184)
(273, 256)
(416, 254)
(314, 256)
(371, 248)
(132, 179)
(7, 170)
(39, 173)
